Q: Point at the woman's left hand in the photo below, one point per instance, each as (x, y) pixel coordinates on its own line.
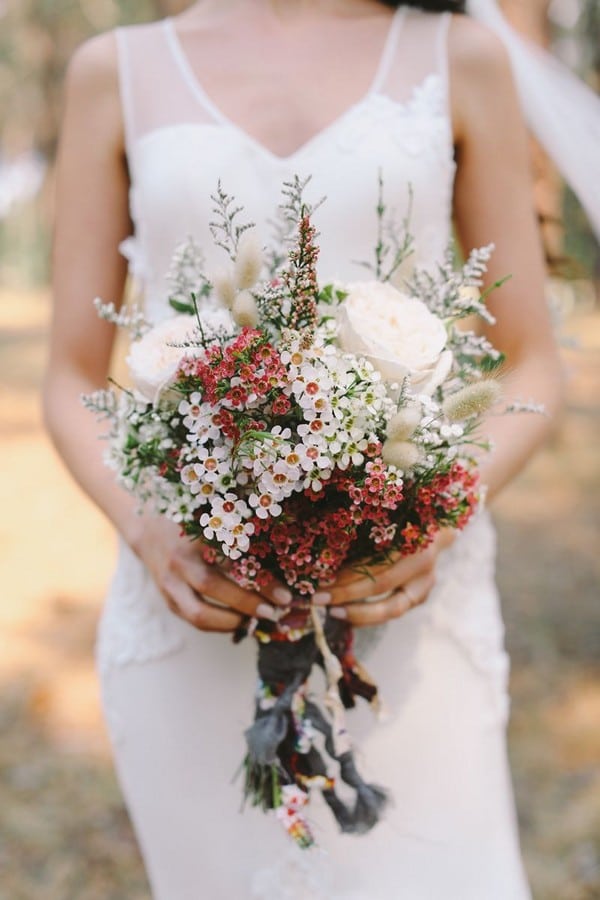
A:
(402, 585)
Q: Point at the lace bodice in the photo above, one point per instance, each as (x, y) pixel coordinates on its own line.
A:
(180, 144)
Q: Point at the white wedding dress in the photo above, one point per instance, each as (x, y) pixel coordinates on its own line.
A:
(177, 700)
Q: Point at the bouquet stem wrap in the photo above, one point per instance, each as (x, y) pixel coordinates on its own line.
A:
(282, 760)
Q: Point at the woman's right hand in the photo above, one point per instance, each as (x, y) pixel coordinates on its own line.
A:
(197, 592)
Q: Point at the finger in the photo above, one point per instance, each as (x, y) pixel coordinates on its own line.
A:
(385, 578)
(277, 594)
(186, 604)
(210, 582)
(275, 591)
(397, 604)
(357, 571)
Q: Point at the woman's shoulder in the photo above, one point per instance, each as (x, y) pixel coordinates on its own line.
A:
(475, 51)
(481, 76)
(95, 62)
(94, 66)
(92, 86)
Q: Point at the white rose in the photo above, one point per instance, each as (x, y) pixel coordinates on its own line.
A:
(155, 358)
(396, 333)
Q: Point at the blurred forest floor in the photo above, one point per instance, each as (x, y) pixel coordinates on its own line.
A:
(65, 834)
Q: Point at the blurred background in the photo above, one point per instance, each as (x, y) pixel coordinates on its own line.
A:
(64, 834)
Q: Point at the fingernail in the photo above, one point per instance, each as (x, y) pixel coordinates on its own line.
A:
(321, 598)
(264, 611)
(338, 612)
(282, 595)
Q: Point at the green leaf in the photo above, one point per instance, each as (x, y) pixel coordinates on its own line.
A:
(489, 364)
(181, 306)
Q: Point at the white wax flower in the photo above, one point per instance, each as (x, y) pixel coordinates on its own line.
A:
(396, 333)
(155, 358)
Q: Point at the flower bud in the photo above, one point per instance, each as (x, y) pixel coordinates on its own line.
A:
(403, 425)
(245, 310)
(248, 262)
(401, 454)
(472, 400)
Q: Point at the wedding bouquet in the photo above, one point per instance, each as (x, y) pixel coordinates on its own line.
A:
(293, 428)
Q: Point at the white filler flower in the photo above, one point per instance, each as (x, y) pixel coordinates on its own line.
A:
(396, 333)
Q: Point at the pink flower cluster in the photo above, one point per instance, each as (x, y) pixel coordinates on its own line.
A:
(240, 375)
(349, 521)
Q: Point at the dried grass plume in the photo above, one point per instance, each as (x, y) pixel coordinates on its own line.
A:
(403, 425)
(401, 454)
(248, 262)
(245, 310)
(472, 400)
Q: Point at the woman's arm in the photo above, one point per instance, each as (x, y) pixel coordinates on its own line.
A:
(493, 203)
(92, 218)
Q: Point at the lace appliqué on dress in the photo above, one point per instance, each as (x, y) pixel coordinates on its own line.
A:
(410, 122)
(133, 249)
(297, 875)
(136, 626)
(465, 605)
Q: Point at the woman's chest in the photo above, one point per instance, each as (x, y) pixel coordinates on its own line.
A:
(407, 146)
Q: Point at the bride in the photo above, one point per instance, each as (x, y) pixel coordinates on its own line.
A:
(254, 92)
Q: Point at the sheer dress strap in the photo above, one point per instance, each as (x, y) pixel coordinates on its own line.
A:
(150, 84)
(420, 55)
(126, 87)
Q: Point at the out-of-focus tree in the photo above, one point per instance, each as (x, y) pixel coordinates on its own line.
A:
(37, 38)
(570, 28)
(172, 7)
(531, 18)
(576, 39)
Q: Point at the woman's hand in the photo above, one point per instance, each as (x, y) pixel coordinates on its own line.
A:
(197, 592)
(402, 584)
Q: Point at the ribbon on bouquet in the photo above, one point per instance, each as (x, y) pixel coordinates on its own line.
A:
(283, 762)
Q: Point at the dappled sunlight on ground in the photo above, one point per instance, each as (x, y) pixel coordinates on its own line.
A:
(66, 835)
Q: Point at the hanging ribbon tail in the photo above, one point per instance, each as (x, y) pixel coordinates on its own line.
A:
(561, 110)
(371, 800)
(355, 680)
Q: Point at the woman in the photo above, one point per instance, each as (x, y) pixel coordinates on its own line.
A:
(253, 92)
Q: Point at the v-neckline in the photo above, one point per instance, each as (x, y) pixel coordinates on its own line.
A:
(203, 98)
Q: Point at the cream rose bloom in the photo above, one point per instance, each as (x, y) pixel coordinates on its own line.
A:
(155, 358)
(396, 333)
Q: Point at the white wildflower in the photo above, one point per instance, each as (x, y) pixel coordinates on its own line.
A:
(527, 406)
